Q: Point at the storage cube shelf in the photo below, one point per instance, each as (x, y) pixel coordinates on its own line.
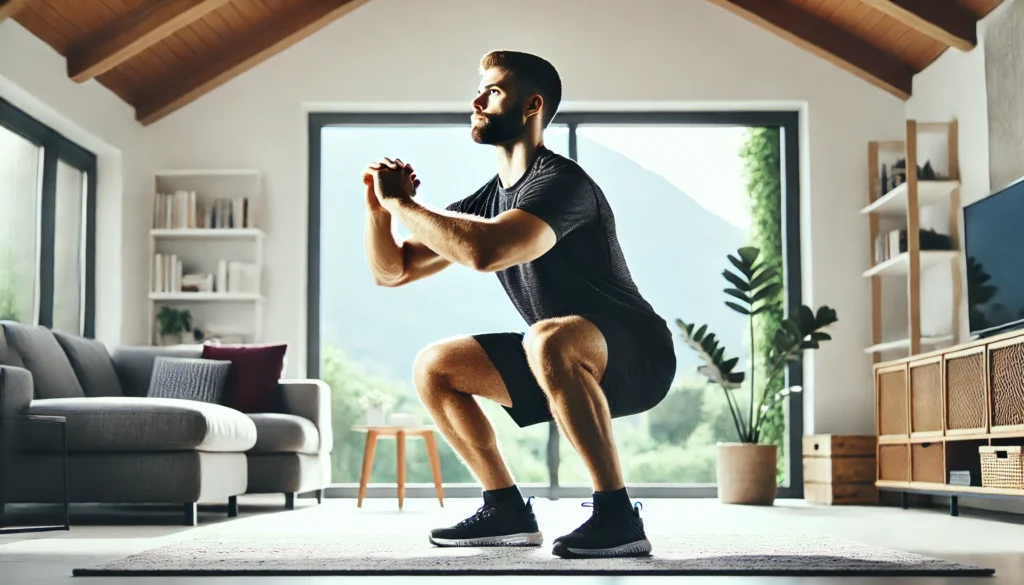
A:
(935, 412)
(206, 224)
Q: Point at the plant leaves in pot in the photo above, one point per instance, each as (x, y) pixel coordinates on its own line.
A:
(746, 469)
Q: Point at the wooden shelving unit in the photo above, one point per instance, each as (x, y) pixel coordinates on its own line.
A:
(903, 204)
(934, 410)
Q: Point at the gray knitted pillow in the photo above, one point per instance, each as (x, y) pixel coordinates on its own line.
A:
(189, 379)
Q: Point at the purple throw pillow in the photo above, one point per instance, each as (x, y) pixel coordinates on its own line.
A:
(255, 373)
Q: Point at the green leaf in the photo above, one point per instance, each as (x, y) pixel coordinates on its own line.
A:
(736, 281)
(737, 308)
(700, 332)
(729, 364)
(792, 328)
(736, 378)
(744, 268)
(768, 274)
(739, 295)
(763, 308)
(820, 336)
(809, 345)
(749, 254)
(805, 319)
(826, 316)
(768, 291)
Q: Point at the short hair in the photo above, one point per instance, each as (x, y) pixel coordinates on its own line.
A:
(532, 74)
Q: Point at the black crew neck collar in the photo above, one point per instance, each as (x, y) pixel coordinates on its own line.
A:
(530, 170)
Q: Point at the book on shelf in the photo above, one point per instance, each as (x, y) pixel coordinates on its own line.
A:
(892, 243)
(231, 277)
(184, 210)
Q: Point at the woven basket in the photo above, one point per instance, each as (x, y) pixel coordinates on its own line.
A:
(1001, 467)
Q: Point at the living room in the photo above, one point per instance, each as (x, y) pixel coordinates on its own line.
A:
(784, 125)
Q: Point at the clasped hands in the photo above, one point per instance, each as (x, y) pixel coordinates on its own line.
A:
(389, 182)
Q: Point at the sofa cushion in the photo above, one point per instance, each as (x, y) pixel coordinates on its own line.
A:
(120, 423)
(52, 374)
(91, 363)
(189, 379)
(255, 374)
(285, 433)
(134, 364)
(8, 356)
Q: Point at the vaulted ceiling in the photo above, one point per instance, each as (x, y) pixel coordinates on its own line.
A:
(159, 55)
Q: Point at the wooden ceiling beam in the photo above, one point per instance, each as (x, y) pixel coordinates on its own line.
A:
(828, 41)
(286, 30)
(128, 35)
(11, 7)
(943, 20)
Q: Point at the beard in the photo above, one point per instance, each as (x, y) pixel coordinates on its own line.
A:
(498, 128)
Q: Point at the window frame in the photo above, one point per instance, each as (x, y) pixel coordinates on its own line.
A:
(56, 147)
(787, 121)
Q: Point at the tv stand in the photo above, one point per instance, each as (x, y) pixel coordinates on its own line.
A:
(934, 410)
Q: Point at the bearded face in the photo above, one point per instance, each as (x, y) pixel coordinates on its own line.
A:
(498, 128)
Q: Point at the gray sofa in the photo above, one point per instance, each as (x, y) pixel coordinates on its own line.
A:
(125, 447)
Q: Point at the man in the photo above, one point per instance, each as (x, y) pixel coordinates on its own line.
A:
(594, 350)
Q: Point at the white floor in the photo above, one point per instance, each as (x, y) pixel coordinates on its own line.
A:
(99, 535)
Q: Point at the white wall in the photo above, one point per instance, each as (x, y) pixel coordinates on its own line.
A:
(33, 77)
(665, 53)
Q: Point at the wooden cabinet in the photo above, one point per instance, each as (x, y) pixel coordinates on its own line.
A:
(935, 412)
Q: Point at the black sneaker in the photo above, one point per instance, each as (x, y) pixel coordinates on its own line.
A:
(492, 526)
(605, 534)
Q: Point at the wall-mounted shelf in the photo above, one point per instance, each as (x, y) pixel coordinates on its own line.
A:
(199, 297)
(894, 203)
(900, 265)
(208, 234)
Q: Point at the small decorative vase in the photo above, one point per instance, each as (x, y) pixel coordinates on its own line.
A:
(374, 416)
(746, 473)
(168, 339)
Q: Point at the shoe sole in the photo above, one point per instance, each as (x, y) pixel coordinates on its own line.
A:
(640, 548)
(522, 539)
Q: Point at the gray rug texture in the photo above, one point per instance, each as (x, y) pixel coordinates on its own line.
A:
(325, 554)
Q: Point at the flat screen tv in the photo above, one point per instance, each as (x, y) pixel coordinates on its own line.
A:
(994, 249)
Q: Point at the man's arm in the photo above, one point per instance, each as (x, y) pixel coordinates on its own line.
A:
(395, 264)
(485, 245)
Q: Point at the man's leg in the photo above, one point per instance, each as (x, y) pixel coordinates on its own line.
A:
(449, 375)
(569, 357)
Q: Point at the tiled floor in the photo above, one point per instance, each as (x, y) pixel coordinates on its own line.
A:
(100, 535)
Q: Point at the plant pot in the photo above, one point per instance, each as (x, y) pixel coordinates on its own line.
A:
(374, 416)
(168, 339)
(746, 473)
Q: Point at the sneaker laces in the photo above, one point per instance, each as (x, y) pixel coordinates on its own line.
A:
(594, 519)
(482, 513)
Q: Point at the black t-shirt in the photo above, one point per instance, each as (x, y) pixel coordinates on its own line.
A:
(585, 272)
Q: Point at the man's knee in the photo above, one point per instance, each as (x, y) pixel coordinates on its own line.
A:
(429, 370)
(555, 346)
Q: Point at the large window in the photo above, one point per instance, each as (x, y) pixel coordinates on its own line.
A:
(686, 190)
(47, 211)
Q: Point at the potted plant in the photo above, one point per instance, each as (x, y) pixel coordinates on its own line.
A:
(173, 324)
(374, 403)
(747, 469)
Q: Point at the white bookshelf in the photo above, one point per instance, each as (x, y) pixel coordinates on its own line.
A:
(206, 223)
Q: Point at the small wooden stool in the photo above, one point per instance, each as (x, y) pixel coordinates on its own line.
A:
(399, 433)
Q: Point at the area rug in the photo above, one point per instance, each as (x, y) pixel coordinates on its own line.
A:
(325, 554)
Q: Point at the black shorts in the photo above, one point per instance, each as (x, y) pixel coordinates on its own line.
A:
(640, 370)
